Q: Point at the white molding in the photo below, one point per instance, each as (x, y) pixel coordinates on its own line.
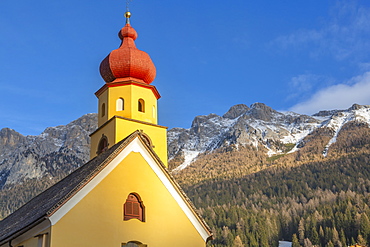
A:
(135, 146)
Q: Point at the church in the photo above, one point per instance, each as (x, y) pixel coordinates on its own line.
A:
(124, 196)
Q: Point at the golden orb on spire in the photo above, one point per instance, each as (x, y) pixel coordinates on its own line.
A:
(128, 14)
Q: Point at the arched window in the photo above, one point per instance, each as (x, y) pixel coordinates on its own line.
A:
(103, 144)
(154, 113)
(147, 140)
(141, 105)
(103, 110)
(131, 244)
(133, 208)
(134, 244)
(120, 104)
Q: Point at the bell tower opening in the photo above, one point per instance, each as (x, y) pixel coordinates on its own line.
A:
(141, 105)
(120, 104)
(103, 145)
(103, 110)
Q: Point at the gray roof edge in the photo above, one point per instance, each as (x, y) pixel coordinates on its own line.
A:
(23, 230)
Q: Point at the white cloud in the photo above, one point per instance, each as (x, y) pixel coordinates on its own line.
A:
(344, 35)
(301, 86)
(340, 96)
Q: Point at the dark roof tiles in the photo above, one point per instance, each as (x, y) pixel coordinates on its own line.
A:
(51, 199)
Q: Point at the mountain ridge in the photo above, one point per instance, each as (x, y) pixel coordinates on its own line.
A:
(61, 149)
(250, 171)
(26, 157)
(257, 125)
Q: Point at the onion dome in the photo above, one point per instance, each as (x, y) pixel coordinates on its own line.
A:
(127, 62)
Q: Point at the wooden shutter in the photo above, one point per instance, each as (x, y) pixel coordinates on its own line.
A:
(133, 208)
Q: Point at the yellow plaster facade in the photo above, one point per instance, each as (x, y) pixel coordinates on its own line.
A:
(119, 115)
(118, 128)
(130, 93)
(97, 220)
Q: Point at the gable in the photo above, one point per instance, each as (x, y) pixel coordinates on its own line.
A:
(99, 205)
(34, 212)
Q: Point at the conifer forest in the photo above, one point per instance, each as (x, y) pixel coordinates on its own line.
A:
(250, 199)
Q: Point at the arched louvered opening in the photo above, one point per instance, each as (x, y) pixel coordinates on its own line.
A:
(103, 145)
(133, 208)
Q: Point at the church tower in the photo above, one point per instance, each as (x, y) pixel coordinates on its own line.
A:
(124, 196)
(127, 102)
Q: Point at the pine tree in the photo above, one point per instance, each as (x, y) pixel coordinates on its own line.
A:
(342, 237)
(252, 240)
(301, 231)
(364, 226)
(238, 242)
(307, 243)
(330, 244)
(322, 236)
(335, 237)
(315, 237)
(361, 240)
(353, 242)
(295, 242)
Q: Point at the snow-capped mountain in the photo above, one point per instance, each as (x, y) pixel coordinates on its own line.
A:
(59, 150)
(257, 125)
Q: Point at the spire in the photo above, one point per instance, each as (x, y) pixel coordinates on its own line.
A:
(127, 62)
(128, 15)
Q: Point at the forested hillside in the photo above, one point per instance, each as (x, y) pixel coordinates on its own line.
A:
(257, 176)
(249, 199)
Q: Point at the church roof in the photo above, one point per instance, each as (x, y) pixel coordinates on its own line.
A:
(127, 62)
(45, 204)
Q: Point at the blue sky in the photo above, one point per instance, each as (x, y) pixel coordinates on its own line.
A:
(303, 56)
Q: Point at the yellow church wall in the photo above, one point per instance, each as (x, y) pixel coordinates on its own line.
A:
(131, 94)
(157, 134)
(109, 131)
(103, 99)
(116, 93)
(97, 220)
(119, 128)
(150, 114)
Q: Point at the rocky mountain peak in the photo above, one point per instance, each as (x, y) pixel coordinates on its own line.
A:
(357, 107)
(236, 111)
(67, 146)
(10, 137)
(199, 120)
(261, 111)
(260, 126)
(325, 113)
(328, 113)
(57, 149)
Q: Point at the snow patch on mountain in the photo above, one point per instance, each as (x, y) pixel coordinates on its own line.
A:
(189, 157)
(259, 126)
(336, 122)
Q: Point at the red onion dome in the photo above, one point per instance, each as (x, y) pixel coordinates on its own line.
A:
(127, 61)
